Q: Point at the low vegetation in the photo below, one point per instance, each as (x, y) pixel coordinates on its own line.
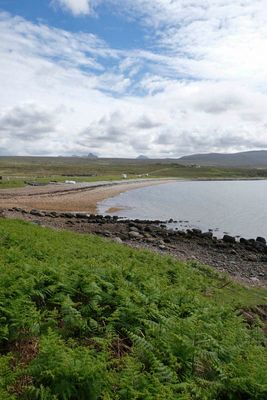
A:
(16, 170)
(84, 318)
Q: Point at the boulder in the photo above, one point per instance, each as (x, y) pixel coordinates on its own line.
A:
(133, 229)
(135, 235)
(148, 229)
(69, 215)
(229, 239)
(207, 235)
(196, 231)
(37, 213)
(80, 215)
(55, 214)
(261, 240)
(117, 240)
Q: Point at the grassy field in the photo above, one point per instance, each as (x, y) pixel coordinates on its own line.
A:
(86, 319)
(15, 170)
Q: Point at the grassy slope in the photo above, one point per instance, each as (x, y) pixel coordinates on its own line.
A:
(19, 169)
(82, 318)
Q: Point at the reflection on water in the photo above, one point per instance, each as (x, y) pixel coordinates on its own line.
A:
(234, 207)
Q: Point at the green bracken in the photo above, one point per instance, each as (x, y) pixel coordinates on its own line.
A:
(84, 318)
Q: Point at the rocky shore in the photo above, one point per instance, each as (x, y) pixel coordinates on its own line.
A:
(245, 260)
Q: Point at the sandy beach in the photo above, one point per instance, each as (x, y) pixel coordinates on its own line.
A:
(64, 197)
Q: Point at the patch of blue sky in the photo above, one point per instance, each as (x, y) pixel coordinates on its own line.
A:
(118, 32)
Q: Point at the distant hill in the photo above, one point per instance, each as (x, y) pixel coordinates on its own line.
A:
(92, 156)
(244, 159)
(142, 157)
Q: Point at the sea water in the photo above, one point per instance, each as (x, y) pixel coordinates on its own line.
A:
(238, 208)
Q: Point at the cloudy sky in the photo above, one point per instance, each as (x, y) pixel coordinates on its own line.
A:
(118, 78)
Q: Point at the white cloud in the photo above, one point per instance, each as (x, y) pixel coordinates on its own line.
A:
(76, 7)
(215, 39)
(202, 88)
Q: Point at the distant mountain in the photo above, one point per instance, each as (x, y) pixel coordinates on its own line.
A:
(92, 156)
(142, 157)
(244, 159)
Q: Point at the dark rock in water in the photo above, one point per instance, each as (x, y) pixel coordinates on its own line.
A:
(243, 241)
(261, 240)
(229, 239)
(170, 221)
(197, 232)
(207, 235)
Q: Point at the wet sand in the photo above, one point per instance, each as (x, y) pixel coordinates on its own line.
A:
(63, 197)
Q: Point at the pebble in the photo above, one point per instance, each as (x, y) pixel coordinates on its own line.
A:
(162, 247)
(252, 257)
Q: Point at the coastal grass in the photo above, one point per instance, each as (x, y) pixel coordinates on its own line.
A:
(16, 170)
(85, 318)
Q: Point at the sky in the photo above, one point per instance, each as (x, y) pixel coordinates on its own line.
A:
(120, 78)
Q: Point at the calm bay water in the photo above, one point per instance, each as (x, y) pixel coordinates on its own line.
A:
(233, 207)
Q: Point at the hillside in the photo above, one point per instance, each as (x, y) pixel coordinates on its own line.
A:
(244, 159)
(86, 319)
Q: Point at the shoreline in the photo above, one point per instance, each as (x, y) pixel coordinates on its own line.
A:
(73, 198)
(244, 261)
